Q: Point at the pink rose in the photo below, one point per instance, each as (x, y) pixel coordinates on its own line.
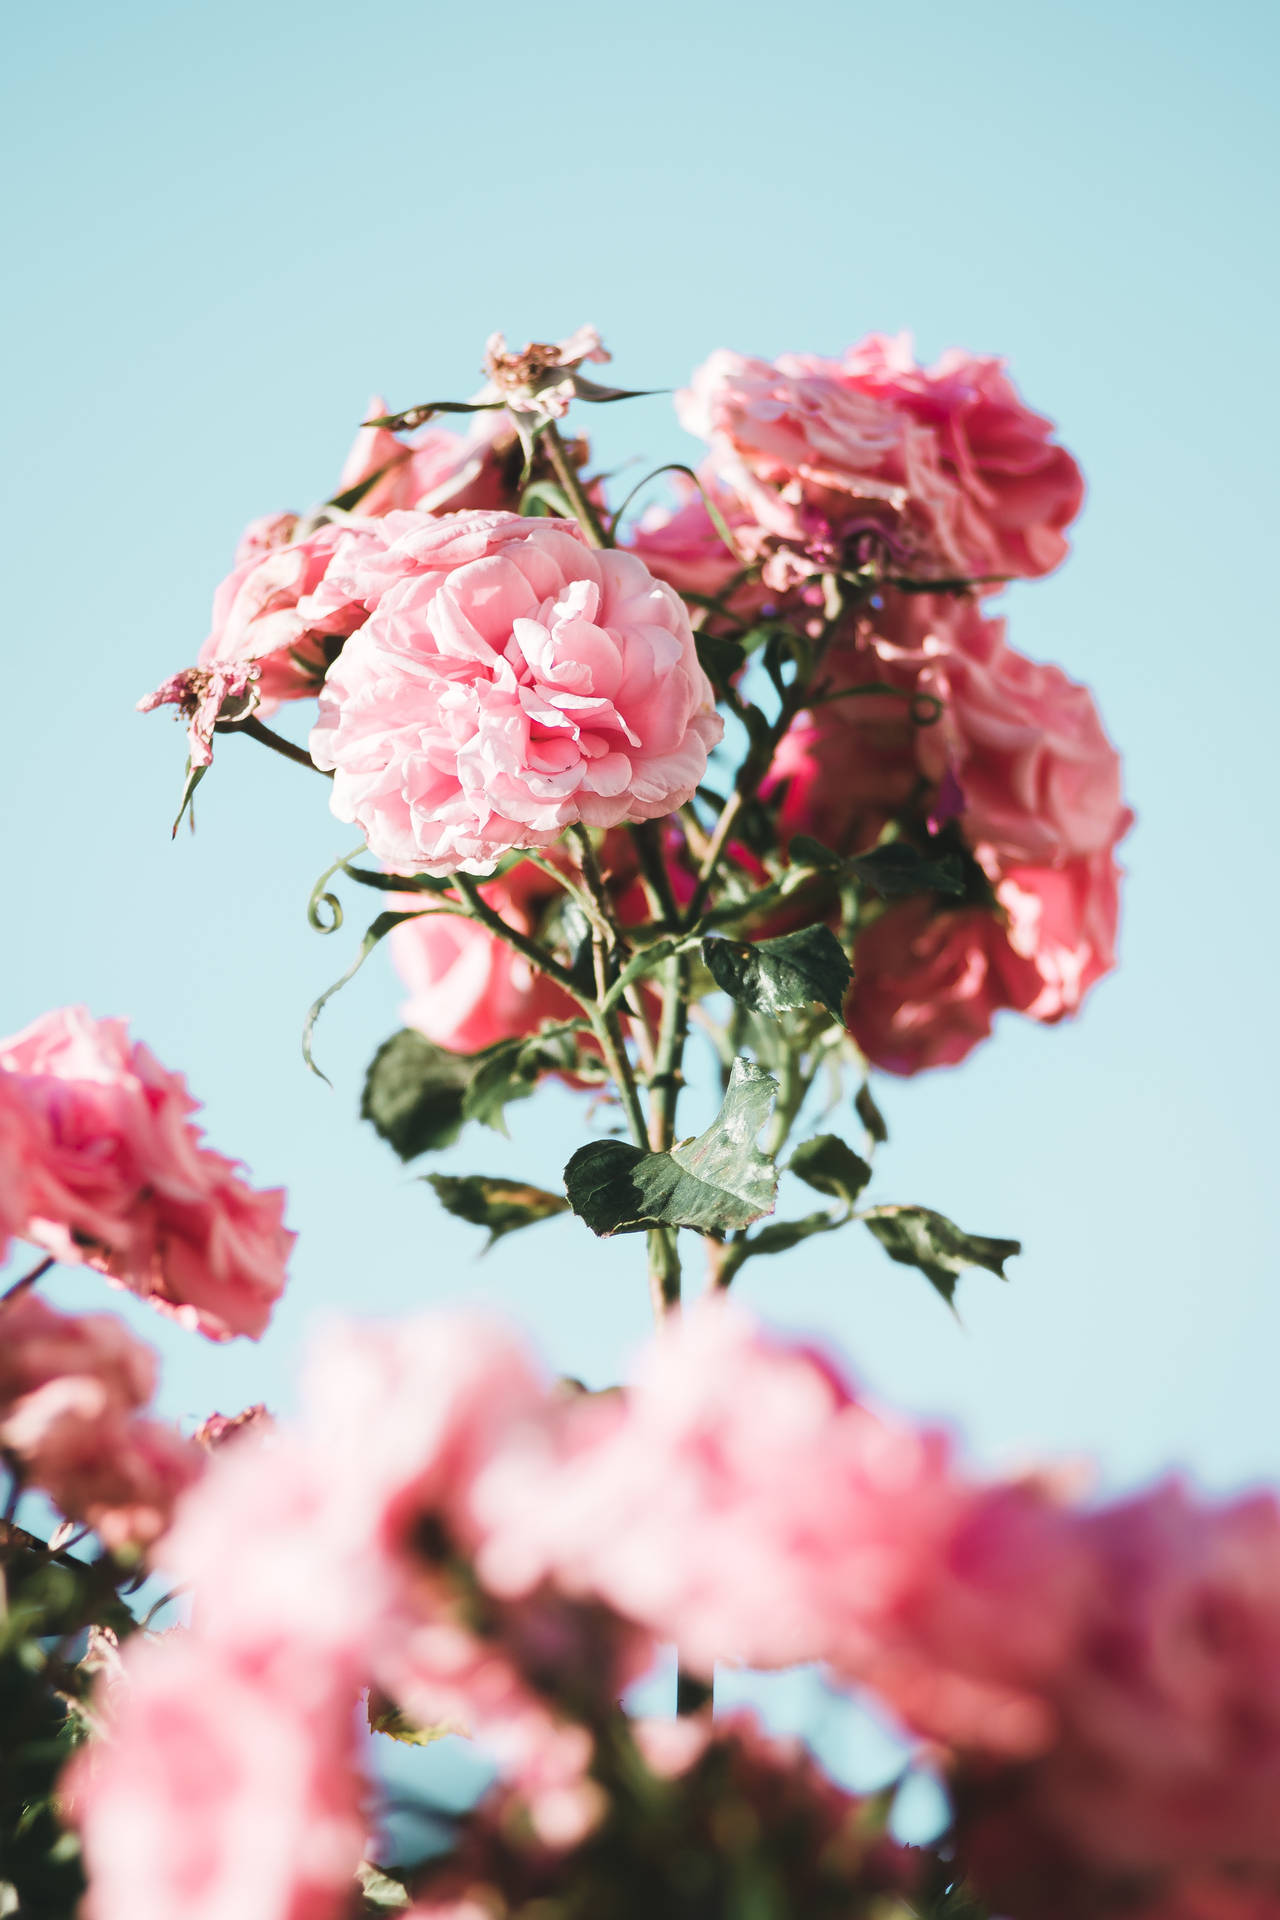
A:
(508, 682)
(70, 1392)
(436, 470)
(214, 1797)
(1041, 782)
(119, 1179)
(946, 467)
(928, 977)
(466, 988)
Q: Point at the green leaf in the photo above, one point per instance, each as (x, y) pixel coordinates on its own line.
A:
(193, 778)
(418, 416)
(715, 1182)
(917, 1237)
(897, 869)
(413, 1093)
(512, 1069)
(832, 1167)
(780, 975)
(500, 1205)
(870, 1115)
(804, 851)
(378, 930)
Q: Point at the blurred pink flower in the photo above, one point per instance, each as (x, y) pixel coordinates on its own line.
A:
(435, 471)
(213, 1797)
(70, 1392)
(117, 1178)
(508, 682)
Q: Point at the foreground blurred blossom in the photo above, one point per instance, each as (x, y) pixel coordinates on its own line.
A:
(509, 682)
(116, 1178)
(213, 1797)
(71, 1389)
(946, 466)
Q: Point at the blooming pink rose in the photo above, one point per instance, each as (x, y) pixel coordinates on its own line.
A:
(213, 1798)
(466, 988)
(120, 1181)
(928, 977)
(946, 466)
(1040, 781)
(509, 681)
(70, 1391)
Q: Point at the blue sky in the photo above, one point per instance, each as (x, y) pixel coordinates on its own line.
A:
(230, 223)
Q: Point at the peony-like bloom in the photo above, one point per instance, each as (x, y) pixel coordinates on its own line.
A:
(117, 1178)
(508, 682)
(215, 1798)
(946, 467)
(467, 989)
(70, 1392)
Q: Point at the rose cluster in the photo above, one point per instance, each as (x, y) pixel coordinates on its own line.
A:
(490, 1554)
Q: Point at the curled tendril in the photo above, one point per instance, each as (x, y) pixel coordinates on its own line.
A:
(316, 916)
(324, 909)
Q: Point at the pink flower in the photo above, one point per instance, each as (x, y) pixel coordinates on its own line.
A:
(947, 468)
(508, 682)
(1041, 782)
(682, 545)
(466, 989)
(119, 1180)
(203, 696)
(437, 470)
(258, 618)
(215, 1798)
(929, 977)
(70, 1391)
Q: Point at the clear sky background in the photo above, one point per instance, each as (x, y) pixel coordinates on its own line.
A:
(227, 224)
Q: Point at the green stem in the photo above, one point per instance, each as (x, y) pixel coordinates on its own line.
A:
(479, 909)
(563, 468)
(276, 741)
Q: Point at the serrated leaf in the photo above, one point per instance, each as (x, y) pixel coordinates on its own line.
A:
(897, 869)
(716, 1182)
(501, 1205)
(413, 1093)
(781, 975)
(870, 1115)
(918, 1237)
(829, 1165)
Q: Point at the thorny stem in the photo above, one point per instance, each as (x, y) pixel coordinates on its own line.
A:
(276, 741)
(28, 1280)
(563, 468)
